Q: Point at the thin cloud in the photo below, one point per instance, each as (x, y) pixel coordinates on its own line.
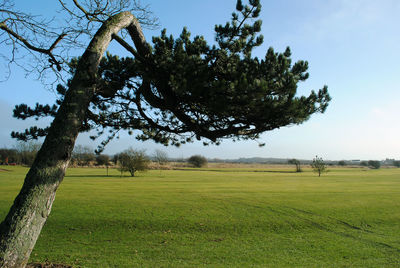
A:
(337, 19)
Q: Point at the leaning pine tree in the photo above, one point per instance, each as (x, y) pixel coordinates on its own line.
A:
(172, 91)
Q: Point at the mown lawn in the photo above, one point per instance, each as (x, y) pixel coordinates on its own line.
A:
(220, 218)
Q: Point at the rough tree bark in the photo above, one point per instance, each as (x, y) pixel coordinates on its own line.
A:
(22, 226)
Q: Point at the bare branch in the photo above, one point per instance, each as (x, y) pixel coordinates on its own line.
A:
(59, 38)
(89, 16)
(52, 43)
(47, 52)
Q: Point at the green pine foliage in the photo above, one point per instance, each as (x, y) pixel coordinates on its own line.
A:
(189, 89)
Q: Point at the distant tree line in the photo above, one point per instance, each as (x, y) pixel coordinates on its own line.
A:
(23, 153)
(374, 164)
(129, 160)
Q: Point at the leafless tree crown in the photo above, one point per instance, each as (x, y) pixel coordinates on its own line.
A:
(39, 44)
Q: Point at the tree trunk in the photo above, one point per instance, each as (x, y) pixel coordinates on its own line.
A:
(21, 227)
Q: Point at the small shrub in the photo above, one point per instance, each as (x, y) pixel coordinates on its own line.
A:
(197, 161)
(374, 164)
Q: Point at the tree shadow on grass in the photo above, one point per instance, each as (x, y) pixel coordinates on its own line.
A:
(47, 265)
(238, 170)
(98, 176)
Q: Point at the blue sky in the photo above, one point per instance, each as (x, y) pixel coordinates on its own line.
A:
(351, 46)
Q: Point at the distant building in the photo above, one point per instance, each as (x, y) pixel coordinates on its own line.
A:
(388, 162)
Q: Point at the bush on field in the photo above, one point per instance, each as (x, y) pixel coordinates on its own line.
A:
(374, 164)
(318, 165)
(197, 161)
(132, 161)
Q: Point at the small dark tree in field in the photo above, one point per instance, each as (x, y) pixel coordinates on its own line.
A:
(115, 159)
(132, 161)
(396, 163)
(318, 165)
(197, 161)
(364, 163)
(296, 163)
(172, 91)
(103, 160)
(374, 164)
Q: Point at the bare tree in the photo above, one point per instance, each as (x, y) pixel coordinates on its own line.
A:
(160, 157)
(83, 155)
(47, 44)
(318, 165)
(27, 151)
(132, 161)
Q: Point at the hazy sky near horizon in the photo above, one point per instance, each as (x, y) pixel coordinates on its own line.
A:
(351, 46)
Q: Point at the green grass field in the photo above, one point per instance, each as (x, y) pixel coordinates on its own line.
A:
(219, 218)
